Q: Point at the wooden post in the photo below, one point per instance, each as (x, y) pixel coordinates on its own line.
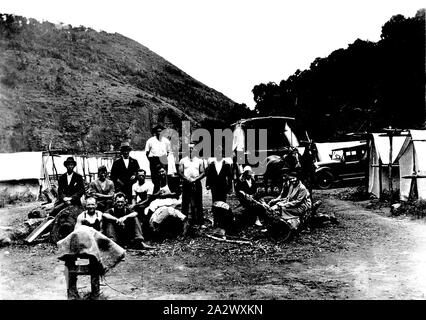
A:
(73, 271)
(390, 166)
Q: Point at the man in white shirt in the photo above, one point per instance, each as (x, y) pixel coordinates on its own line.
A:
(191, 170)
(157, 150)
(142, 192)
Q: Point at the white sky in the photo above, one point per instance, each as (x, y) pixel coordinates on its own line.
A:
(229, 45)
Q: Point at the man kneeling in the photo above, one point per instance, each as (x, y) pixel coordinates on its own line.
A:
(122, 225)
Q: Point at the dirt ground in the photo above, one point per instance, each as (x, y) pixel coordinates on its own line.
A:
(368, 255)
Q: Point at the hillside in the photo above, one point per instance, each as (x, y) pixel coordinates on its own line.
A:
(86, 90)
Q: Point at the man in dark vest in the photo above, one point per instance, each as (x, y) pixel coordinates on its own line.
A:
(124, 171)
(70, 188)
(219, 176)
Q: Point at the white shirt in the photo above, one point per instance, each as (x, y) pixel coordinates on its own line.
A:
(218, 165)
(126, 162)
(157, 148)
(137, 189)
(69, 177)
(191, 167)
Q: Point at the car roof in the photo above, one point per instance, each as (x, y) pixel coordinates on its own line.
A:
(243, 121)
(360, 146)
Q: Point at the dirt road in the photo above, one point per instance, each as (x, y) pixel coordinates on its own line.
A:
(366, 256)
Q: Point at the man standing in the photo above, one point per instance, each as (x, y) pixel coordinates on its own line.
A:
(122, 225)
(219, 176)
(157, 149)
(70, 188)
(191, 170)
(124, 171)
(102, 189)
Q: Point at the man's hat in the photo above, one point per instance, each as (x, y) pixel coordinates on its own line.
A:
(125, 146)
(247, 168)
(155, 128)
(70, 160)
(293, 174)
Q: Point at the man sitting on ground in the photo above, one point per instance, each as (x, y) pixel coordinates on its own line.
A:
(296, 201)
(288, 207)
(102, 189)
(90, 217)
(164, 196)
(122, 225)
(245, 185)
(142, 192)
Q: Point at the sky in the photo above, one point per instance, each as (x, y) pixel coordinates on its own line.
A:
(229, 45)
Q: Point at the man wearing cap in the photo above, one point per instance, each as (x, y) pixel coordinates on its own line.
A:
(245, 186)
(102, 189)
(157, 149)
(70, 188)
(191, 170)
(124, 171)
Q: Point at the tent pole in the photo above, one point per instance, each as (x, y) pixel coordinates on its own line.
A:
(367, 171)
(390, 166)
(380, 179)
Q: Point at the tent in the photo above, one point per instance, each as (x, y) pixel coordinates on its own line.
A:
(412, 161)
(28, 172)
(379, 156)
(19, 175)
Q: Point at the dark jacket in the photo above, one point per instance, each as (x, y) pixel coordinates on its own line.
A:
(75, 189)
(221, 183)
(242, 185)
(119, 171)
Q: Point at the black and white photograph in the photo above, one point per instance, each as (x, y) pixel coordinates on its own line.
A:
(226, 152)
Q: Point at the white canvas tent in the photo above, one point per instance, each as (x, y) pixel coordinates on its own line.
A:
(19, 175)
(379, 156)
(412, 160)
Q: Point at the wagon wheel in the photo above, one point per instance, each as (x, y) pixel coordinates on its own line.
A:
(325, 179)
(281, 232)
(64, 223)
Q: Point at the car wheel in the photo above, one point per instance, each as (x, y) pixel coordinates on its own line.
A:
(325, 179)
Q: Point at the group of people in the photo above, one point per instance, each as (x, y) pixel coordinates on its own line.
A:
(124, 206)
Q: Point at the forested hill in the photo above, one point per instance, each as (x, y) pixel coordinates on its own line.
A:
(85, 90)
(365, 87)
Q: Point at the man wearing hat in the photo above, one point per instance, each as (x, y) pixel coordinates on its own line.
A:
(244, 186)
(124, 171)
(70, 188)
(296, 201)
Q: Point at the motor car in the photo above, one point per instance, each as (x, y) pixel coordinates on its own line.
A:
(345, 164)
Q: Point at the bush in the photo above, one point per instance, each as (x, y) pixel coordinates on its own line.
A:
(415, 208)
